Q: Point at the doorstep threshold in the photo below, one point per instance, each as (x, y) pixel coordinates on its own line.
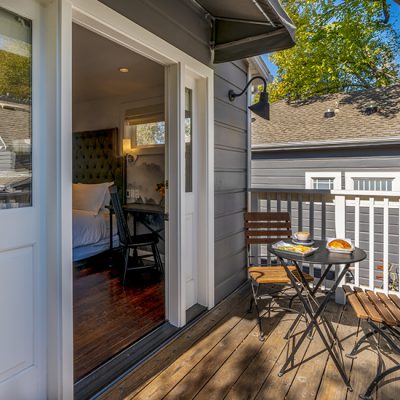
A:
(113, 371)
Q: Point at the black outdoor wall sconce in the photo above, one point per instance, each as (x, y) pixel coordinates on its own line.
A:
(261, 108)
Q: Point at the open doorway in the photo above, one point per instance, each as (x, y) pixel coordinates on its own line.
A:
(118, 139)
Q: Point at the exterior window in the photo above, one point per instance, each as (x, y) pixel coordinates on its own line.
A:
(323, 183)
(319, 180)
(15, 111)
(373, 181)
(373, 184)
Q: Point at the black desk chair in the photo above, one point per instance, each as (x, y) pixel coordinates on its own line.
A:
(134, 242)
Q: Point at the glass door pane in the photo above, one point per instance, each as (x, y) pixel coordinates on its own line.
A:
(188, 140)
(15, 110)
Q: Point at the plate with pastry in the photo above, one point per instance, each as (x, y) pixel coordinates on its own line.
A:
(337, 245)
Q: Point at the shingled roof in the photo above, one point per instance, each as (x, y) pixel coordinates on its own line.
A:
(15, 120)
(304, 122)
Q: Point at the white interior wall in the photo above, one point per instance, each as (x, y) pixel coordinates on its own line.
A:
(110, 112)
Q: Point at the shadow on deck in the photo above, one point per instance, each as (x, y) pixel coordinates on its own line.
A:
(220, 357)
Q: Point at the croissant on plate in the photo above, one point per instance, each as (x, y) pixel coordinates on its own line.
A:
(339, 244)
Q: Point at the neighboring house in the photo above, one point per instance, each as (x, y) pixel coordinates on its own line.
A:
(15, 149)
(36, 242)
(355, 146)
(346, 141)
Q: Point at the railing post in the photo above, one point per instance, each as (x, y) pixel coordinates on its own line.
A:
(340, 228)
(255, 205)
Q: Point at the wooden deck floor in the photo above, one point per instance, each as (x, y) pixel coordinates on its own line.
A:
(220, 357)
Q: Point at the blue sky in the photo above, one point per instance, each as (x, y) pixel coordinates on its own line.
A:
(394, 17)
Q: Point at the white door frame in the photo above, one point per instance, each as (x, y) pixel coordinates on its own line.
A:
(99, 18)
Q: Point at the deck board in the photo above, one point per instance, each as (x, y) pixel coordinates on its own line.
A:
(220, 357)
(332, 386)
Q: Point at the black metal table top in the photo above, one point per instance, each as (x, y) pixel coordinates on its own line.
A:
(322, 255)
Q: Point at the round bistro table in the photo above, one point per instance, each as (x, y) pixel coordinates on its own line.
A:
(323, 257)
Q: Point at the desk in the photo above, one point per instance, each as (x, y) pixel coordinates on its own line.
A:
(139, 210)
(324, 257)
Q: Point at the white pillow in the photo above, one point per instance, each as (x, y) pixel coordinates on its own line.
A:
(89, 197)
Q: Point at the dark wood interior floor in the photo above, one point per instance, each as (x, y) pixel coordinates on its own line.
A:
(109, 317)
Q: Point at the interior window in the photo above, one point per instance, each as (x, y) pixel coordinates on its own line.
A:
(15, 110)
(150, 134)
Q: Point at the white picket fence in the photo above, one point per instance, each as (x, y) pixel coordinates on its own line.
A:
(370, 219)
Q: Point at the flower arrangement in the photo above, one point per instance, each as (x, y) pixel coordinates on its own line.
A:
(160, 188)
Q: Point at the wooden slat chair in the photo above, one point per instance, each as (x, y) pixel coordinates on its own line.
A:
(263, 228)
(382, 313)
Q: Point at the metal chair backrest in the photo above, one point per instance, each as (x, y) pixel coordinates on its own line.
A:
(123, 229)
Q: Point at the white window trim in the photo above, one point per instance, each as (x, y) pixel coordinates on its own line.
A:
(337, 178)
(349, 178)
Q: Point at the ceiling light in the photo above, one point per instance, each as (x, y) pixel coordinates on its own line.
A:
(124, 70)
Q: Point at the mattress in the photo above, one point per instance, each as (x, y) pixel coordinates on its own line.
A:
(90, 250)
(91, 231)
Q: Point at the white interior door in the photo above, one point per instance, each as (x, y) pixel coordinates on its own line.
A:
(22, 262)
(190, 223)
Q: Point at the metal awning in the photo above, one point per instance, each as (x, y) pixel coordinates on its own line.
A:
(247, 28)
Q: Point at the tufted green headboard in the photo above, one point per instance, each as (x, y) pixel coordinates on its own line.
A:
(95, 158)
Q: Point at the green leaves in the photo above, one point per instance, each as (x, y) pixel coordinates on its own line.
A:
(341, 46)
(15, 75)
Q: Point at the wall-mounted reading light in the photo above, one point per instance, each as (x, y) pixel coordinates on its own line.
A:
(261, 108)
(126, 145)
(127, 151)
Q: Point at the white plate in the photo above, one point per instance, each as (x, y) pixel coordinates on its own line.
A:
(307, 243)
(340, 251)
(282, 243)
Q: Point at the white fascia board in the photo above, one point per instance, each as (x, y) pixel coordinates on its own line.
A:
(373, 142)
(258, 67)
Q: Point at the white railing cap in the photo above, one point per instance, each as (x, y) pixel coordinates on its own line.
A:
(365, 193)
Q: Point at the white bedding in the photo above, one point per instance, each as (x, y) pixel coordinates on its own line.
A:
(90, 229)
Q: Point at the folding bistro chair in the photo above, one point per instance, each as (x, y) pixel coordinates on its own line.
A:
(382, 314)
(263, 228)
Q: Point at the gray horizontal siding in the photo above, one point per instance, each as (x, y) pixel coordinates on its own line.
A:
(287, 169)
(176, 21)
(230, 179)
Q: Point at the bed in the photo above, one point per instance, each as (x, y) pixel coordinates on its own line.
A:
(96, 166)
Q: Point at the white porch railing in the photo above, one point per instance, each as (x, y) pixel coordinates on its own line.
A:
(370, 219)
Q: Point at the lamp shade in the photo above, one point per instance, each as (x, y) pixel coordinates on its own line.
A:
(261, 108)
(126, 145)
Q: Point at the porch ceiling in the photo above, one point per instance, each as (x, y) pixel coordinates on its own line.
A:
(246, 28)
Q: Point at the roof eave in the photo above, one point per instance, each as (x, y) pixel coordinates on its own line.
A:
(296, 146)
